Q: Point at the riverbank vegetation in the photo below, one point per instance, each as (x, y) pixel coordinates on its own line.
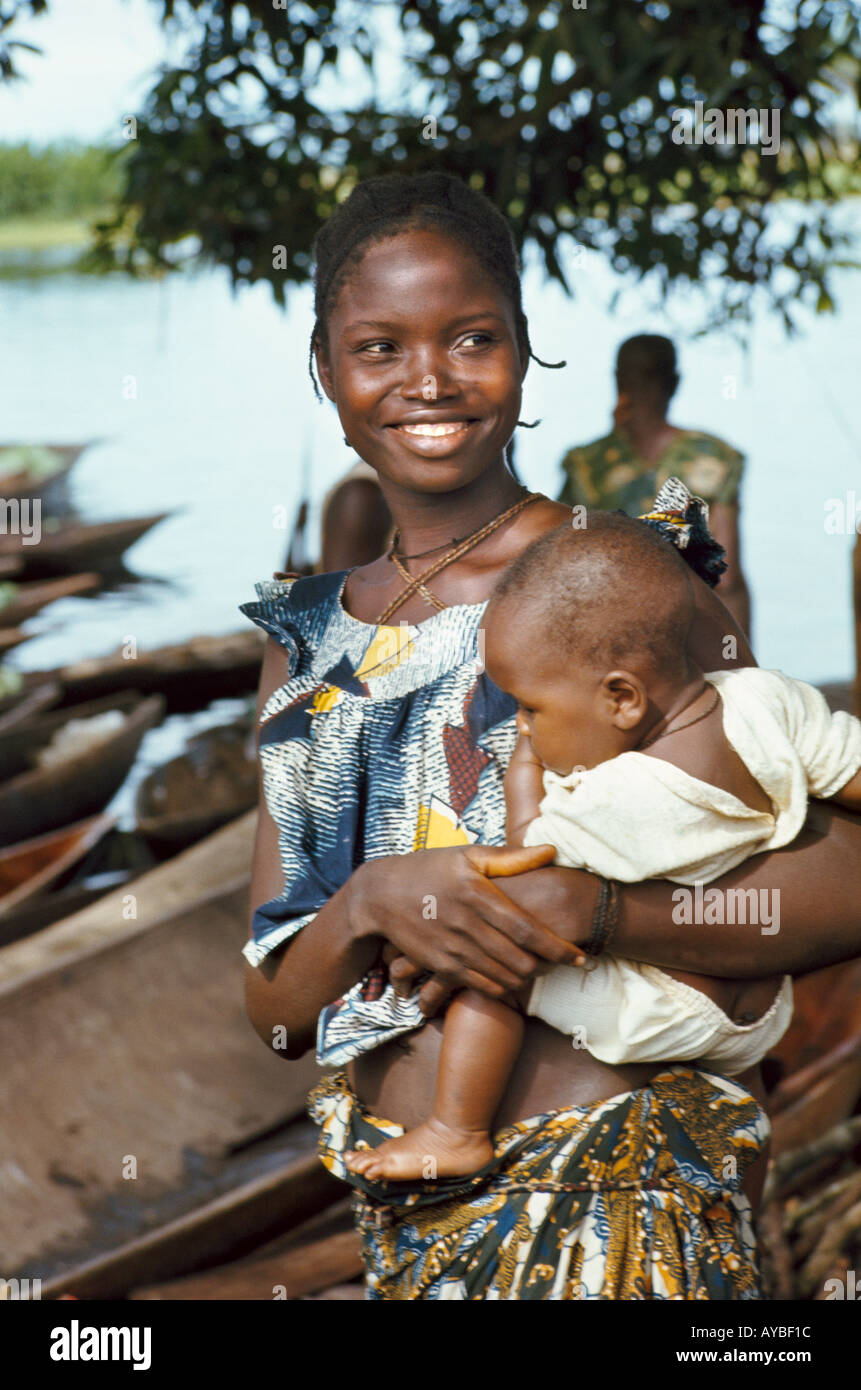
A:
(53, 195)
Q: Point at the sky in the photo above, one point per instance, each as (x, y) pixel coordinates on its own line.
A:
(97, 62)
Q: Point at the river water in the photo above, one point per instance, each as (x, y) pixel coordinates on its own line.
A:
(200, 401)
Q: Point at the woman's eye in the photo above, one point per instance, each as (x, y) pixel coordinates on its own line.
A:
(480, 338)
(376, 349)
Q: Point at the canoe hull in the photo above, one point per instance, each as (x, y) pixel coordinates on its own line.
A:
(47, 798)
(126, 1052)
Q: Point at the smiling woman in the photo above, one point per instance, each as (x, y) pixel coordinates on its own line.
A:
(381, 833)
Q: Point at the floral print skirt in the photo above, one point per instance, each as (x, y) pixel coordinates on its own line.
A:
(635, 1197)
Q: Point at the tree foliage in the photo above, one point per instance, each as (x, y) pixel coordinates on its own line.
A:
(563, 115)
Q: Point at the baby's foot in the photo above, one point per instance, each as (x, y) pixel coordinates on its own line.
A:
(430, 1151)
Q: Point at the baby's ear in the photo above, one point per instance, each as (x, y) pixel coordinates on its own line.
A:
(627, 698)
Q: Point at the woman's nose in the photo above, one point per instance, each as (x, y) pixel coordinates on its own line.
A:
(428, 377)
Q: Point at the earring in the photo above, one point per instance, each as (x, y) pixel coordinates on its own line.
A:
(346, 441)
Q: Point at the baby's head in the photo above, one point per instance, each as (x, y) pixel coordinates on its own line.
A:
(588, 631)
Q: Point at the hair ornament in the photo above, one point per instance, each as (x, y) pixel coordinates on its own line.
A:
(683, 520)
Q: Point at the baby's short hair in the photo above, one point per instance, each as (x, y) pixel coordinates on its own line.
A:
(613, 593)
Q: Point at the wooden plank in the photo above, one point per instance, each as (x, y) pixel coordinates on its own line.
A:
(129, 1063)
(830, 1100)
(230, 1223)
(290, 1275)
(217, 861)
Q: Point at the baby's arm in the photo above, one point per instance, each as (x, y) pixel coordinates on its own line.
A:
(524, 790)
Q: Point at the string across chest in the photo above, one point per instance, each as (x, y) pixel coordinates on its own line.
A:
(417, 583)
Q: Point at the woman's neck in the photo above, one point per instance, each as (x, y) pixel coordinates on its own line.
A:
(427, 520)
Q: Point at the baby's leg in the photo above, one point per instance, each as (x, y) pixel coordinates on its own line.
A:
(480, 1043)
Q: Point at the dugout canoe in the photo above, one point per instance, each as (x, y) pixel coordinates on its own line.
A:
(20, 746)
(20, 479)
(79, 781)
(30, 598)
(72, 546)
(126, 1048)
(190, 674)
(12, 637)
(212, 782)
(109, 864)
(35, 700)
(32, 866)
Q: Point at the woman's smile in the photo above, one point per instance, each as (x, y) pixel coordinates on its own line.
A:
(433, 438)
(442, 387)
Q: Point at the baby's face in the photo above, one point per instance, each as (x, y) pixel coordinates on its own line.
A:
(560, 707)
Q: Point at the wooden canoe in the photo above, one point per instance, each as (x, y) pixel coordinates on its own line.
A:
(35, 700)
(211, 783)
(246, 1215)
(20, 745)
(827, 1012)
(190, 675)
(323, 1251)
(112, 862)
(33, 596)
(12, 637)
(126, 1048)
(73, 546)
(33, 866)
(77, 784)
(20, 481)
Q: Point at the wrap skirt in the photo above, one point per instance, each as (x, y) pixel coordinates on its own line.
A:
(634, 1197)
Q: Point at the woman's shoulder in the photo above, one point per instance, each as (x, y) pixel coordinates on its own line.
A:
(292, 608)
(545, 515)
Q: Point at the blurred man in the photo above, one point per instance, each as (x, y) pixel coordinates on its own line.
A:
(355, 523)
(626, 468)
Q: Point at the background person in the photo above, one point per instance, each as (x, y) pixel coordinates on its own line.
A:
(628, 467)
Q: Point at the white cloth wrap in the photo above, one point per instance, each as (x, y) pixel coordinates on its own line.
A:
(637, 817)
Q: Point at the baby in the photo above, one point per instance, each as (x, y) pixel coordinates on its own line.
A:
(632, 763)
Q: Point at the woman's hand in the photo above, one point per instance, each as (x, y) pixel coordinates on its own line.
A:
(440, 910)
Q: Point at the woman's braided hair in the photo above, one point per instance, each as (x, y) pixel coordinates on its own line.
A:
(382, 207)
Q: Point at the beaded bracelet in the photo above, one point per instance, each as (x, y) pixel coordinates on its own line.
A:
(605, 918)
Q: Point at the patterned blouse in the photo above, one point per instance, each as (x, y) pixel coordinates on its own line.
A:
(381, 740)
(608, 474)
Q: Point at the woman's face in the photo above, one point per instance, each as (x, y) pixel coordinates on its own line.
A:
(423, 362)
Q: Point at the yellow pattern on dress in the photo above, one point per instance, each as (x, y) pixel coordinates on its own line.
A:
(389, 648)
(327, 697)
(438, 827)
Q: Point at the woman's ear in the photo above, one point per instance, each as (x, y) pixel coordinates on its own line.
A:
(626, 697)
(324, 370)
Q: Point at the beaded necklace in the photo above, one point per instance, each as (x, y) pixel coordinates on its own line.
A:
(417, 583)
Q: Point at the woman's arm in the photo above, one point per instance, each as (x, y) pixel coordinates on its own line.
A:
(814, 884)
(478, 937)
